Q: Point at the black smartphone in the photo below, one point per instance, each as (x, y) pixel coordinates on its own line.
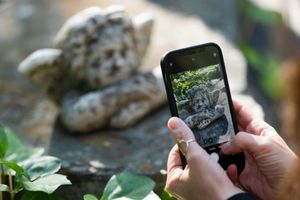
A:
(198, 93)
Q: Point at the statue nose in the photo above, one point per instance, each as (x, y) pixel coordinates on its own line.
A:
(118, 60)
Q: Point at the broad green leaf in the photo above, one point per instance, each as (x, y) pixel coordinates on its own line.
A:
(89, 197)
(3, 142)
(165, 195)
(127, 186)
(4, 188)
(40, 167)
(40, 196)
(14, 142)
(16, 151)
(14, 166)
(152, 196)
(46, 184)
(21, 155)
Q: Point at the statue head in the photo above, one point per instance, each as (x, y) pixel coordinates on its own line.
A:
(94, 48)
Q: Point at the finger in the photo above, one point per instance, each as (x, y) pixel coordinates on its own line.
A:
(174, 170)
(260, 127)
(242, 116)
(180, 131)
(246, 121)
(243, 142)
(174, 160)
(232, 173)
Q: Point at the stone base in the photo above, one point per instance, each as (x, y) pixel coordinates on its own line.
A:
(89, 160)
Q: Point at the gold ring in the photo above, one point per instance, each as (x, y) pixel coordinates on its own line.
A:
(184, 145)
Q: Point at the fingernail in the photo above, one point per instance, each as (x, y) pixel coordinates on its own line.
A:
(174, 123)
(225, 145)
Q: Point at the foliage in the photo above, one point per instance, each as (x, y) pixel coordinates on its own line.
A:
(265, 64)
(40, 196)
(260, 15)
(27, 169)
(36, 175)
(165, 195)
(181, 82)
(127, 186)
(89, 197)
(268, 68)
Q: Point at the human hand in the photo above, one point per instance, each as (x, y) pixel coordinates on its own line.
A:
(203, 177)
(268, 157)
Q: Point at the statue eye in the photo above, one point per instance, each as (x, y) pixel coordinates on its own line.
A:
(123, 53)
(109, 54)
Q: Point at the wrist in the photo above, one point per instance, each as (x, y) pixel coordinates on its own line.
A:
(228, 191)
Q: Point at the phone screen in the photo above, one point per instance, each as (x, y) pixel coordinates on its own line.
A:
(200, 90)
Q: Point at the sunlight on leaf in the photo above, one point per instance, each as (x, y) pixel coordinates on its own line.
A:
(40, 167)
(14, 166)
(4, 188)
(128, 186)
(89, 197)
(46, 184)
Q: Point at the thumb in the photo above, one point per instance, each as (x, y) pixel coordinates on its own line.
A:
(242, 142)
(185, 140)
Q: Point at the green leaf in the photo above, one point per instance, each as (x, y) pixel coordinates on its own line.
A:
(40, 167)
(14, 143)
(151, 196)
(21, 155)
(165, 195)
(40, 196)
(4, 188)
(14, 166)
(3, 142)
(89, 197)
(127, 186)
(260, 15)
(46, 184)
(268, 68)
(16, 151)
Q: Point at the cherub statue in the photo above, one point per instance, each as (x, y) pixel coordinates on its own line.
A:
(92, 72)
(200, 109)
(202, 113)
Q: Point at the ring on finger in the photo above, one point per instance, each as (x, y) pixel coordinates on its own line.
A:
(184, 145)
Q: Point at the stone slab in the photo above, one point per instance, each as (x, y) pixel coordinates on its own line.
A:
(90, 160)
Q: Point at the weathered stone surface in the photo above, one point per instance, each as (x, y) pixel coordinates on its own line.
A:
(97, 50)
(90, 160)
(116, 106)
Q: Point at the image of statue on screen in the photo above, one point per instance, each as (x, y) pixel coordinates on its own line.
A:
(203, 105)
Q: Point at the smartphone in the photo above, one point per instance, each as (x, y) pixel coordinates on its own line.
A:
(198, 93)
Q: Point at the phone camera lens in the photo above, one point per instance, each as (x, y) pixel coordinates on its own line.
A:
(193, 59)
(214, 54)
(171, 64)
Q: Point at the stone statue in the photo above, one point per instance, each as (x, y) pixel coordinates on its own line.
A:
(203, 115)
(92, 72)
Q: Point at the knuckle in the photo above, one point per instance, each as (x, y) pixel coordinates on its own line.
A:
(192, 156)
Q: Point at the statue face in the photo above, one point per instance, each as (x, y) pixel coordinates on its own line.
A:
(103, 46)
(198, 99)
(112, 57)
